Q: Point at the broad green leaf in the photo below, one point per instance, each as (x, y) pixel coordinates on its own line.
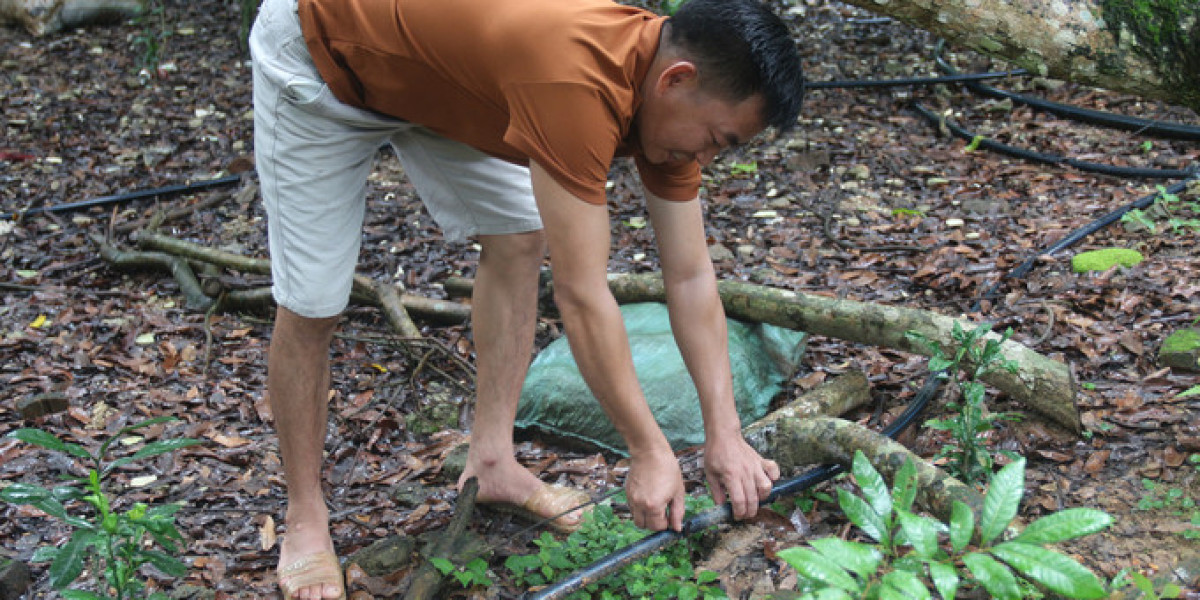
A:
(1002, 500)
(1065, 525)
(962, 525)
(907, 584)
(861, 514)
(814, 567)
(44, 554)
(859, 558)
(169, 564)
(831, 594)
(874, 488)
(48, 441)
(945, 579)
(1051, 569)
(24, 493)
(996, 578)
(151, 450)
(920, 533)
(904, 488)
(68, 562)
(80, 595)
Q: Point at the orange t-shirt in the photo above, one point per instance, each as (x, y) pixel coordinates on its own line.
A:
(553, 81)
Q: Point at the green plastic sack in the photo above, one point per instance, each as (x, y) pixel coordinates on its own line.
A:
(555, 401)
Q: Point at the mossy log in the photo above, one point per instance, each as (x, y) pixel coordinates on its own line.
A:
(428, 579)
(795, 442)
(1044, 385)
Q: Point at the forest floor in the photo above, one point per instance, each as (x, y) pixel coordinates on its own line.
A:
(864, 200)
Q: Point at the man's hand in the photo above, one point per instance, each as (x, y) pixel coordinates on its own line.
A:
(655, 490)
(737, 473)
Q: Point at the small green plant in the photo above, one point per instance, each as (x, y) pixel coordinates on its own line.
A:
(1144, 585)
(151, 41)
(1166, 206)
(977, 354)
(912, 554)
(1173, 500)
(907, 212)
(804, 501)
(749, 168)
(668, 574)
(114, 542)
(469, 575)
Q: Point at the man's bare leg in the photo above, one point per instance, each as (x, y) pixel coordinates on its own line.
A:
(298, 388)
(504, 312)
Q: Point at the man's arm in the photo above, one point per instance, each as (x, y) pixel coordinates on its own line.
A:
(735, 471)
(578, 236)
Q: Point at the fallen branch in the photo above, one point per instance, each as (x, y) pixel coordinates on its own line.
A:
(1044, 385)
(795, 442)
(428, 579)
(836, 397)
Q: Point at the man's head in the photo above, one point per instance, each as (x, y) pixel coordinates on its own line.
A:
(725, 70)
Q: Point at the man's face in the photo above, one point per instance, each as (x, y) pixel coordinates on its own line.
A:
(678, 122)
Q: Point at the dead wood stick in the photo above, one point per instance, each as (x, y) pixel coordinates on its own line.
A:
(193, 295)
(428, 579)
(383, 295)
(795, 442)
(1044, 385)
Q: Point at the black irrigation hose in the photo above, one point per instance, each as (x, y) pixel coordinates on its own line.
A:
(128, 196)
(953, 78)
(1024, 268)
(1051, 159)
(1161, 129)
(721, 514)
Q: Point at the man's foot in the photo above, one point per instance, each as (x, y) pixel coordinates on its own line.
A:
(510, 487)
(308, 567)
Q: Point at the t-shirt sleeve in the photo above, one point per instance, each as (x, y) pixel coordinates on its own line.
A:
(569, 130)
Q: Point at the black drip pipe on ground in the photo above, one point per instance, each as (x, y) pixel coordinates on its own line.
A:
(129, 196)
(1160, 129)
(721, 514)
(1024, 268)
(1050, 159)
(953, 78)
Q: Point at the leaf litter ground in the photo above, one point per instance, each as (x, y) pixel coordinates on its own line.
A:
(864, 200)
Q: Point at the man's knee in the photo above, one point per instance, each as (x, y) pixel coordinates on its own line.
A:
(515, 248)
(307, 330)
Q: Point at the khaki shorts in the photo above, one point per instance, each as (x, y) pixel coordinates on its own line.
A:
(313, 155)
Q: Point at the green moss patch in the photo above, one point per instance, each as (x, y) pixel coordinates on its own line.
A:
(1184, 340)
(1103, 260)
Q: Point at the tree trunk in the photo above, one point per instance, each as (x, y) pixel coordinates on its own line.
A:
(41, 17)
(1042, 384)
(1149, 48)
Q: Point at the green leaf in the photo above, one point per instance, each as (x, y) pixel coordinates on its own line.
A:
(904, 488)
(996, 578)
(1065, 525)
(165, 563)
(920, 533)
(860, 558)
(862, 515)
(962, 525)
(1051, 569)
(44, 554)
(80, 595)
(151, 450)
(68, 562)
(1192, 391)
(945, 579)
(1002, 500)
(814, 567)
(24, 493)
(907, 584)
(873, 486)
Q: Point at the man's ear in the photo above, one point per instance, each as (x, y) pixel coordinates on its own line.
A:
(678, 72)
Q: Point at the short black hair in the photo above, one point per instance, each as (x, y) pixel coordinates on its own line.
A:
(741, 48)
